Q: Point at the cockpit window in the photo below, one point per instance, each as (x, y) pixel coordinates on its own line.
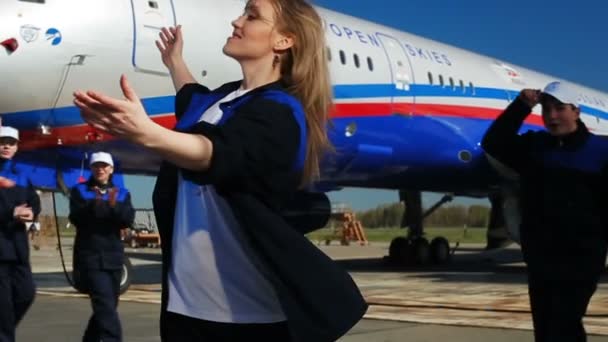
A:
(34, 1)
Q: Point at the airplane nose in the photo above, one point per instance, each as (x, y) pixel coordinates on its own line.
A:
(10, 44)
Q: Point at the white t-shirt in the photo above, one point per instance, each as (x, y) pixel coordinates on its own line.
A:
(211, 277)
(214, 114)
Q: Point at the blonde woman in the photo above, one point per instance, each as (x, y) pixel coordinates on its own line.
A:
(232, 266)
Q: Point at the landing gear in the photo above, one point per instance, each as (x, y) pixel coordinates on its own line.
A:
(415, 249)
(440, 250)
(497, 234)
(398, 251)
(405, 250)
(421, 250)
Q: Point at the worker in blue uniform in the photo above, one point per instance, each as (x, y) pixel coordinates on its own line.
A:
(99, 210)
(19, 203)
(563, 172)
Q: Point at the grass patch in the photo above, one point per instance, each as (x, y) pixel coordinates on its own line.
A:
(67, 232)
(453, 234)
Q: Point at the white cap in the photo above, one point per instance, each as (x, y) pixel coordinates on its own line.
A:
(9, 132)
(562, 92)
(101, 157)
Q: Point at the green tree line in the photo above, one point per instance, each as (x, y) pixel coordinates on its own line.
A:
(390, 215)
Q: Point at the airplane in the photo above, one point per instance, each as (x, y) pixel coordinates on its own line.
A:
(409, 112)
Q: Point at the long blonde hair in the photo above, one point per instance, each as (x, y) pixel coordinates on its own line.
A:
(304, 69)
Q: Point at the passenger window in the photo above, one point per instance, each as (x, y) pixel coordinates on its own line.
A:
(356, 58)
(328, 54)
(452, 84)
(370, 64)
(441, 80)
(462, 86)
(472, 88)
(342, 57)
(430, 78)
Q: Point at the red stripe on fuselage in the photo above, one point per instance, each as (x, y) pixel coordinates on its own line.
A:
(344, 110)
(76, 135)
(84, 134)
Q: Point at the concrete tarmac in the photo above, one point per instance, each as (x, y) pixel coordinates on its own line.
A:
(479, 296)
(63, 319)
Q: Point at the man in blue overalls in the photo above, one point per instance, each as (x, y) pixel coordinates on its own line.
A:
(19, 203)
(99, 210)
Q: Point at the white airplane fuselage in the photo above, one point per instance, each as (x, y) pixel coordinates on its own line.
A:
(410, 112)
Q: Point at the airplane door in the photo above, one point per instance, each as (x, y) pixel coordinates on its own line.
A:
(149, 16)
(402, 74)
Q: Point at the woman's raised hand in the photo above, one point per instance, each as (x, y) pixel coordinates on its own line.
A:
(124, 118)
(171, 45)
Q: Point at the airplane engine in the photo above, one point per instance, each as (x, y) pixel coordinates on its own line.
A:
(307, 211)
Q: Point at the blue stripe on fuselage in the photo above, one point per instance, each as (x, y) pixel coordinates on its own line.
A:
(69, 116)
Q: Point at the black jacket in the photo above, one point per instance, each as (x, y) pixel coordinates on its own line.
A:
(564, 185)
(256, 168)
(99, 215)
(13, 237)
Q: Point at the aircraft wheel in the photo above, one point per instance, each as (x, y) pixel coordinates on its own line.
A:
(126, 275)
(421, 251)
(399, 250)
(440, 250)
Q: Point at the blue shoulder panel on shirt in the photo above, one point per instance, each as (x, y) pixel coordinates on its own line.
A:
(299, 115)
(11, 171)
(595, 154)
(592, 157)
(198, 105)
(228, 108)
(201, 102)
(122, 195)
(84, 191)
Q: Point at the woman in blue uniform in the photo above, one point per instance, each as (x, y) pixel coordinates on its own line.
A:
(19, 203)
(99, 210)
(233, 267)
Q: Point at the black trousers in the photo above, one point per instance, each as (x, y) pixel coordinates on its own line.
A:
(560, 288)
(179, 328)
(17, 293)
(104, 290)
(558, 310)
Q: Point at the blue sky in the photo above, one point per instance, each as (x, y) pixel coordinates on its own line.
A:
(566, 39)
(557, 37)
